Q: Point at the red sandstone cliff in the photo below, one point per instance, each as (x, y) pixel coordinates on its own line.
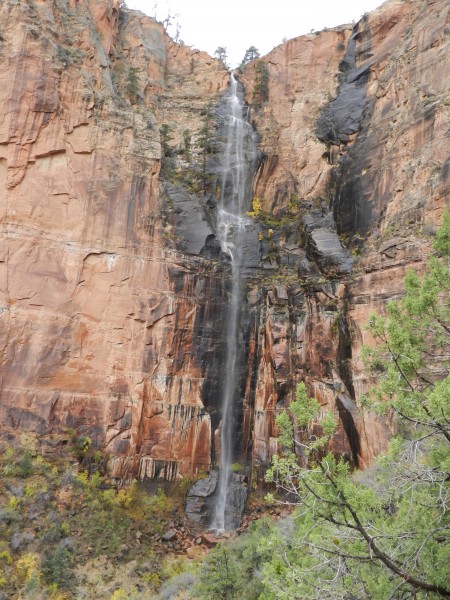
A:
(112, 310)
(94, 335)
(356, 126)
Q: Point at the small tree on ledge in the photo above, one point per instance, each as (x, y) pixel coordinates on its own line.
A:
(222, 55)
(261, 87)
(251, 54)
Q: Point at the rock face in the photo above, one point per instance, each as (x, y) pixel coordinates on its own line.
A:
(200, 500)
(106, 327)
(113, 287)
(354, 138)
(202, 496)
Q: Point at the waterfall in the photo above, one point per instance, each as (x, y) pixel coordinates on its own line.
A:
(235, 176)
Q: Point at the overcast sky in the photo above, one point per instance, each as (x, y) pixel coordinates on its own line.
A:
(238, 24)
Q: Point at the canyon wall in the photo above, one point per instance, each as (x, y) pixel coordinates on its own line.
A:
(112, 283)
(354, 142)
(106, 329)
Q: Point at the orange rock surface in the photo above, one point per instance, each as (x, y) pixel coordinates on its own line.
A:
(94, 336)
(386, 185)
(113, 328)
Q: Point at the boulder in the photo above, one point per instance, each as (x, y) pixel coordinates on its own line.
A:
(169, 536)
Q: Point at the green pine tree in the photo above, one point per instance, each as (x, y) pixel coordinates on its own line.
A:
(251, 54)
(383, 533)
(261, 87)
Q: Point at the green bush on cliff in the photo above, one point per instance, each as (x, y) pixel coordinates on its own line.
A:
(261, 86)
(251, 54)
(133, 84)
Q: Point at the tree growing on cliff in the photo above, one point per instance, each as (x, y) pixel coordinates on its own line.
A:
(261, 87)
(133, 84)
(383, 533)
(221, 54)
(165, 132)
(251, 54)
(205, 141)
(187, 144)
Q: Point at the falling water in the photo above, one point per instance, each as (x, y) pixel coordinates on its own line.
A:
(236, 173)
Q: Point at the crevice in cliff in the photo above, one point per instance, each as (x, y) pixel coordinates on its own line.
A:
(344, 353)
(344, 123)
(341, 118)
(346, 404)
(347, 409)
(252, 362)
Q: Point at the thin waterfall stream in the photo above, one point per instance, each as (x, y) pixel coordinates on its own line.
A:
(235, 176)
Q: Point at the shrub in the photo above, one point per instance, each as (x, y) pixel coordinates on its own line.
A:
(133, 84)
(261, 87)
(56, 566)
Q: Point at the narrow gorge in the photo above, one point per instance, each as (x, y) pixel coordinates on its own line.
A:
(181, 246)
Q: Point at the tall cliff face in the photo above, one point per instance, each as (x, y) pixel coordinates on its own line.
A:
(355, 133)
(100, 316)
(113, 287)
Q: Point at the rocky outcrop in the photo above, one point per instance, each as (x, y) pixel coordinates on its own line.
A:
(202, 498)
(113, 286)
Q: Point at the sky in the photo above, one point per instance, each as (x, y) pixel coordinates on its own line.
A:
(238, 24)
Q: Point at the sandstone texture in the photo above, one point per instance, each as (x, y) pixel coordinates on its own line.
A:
(100, 316)
(113, 287)
(354, 135)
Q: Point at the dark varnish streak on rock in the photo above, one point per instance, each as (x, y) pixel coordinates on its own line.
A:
(347, 115)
